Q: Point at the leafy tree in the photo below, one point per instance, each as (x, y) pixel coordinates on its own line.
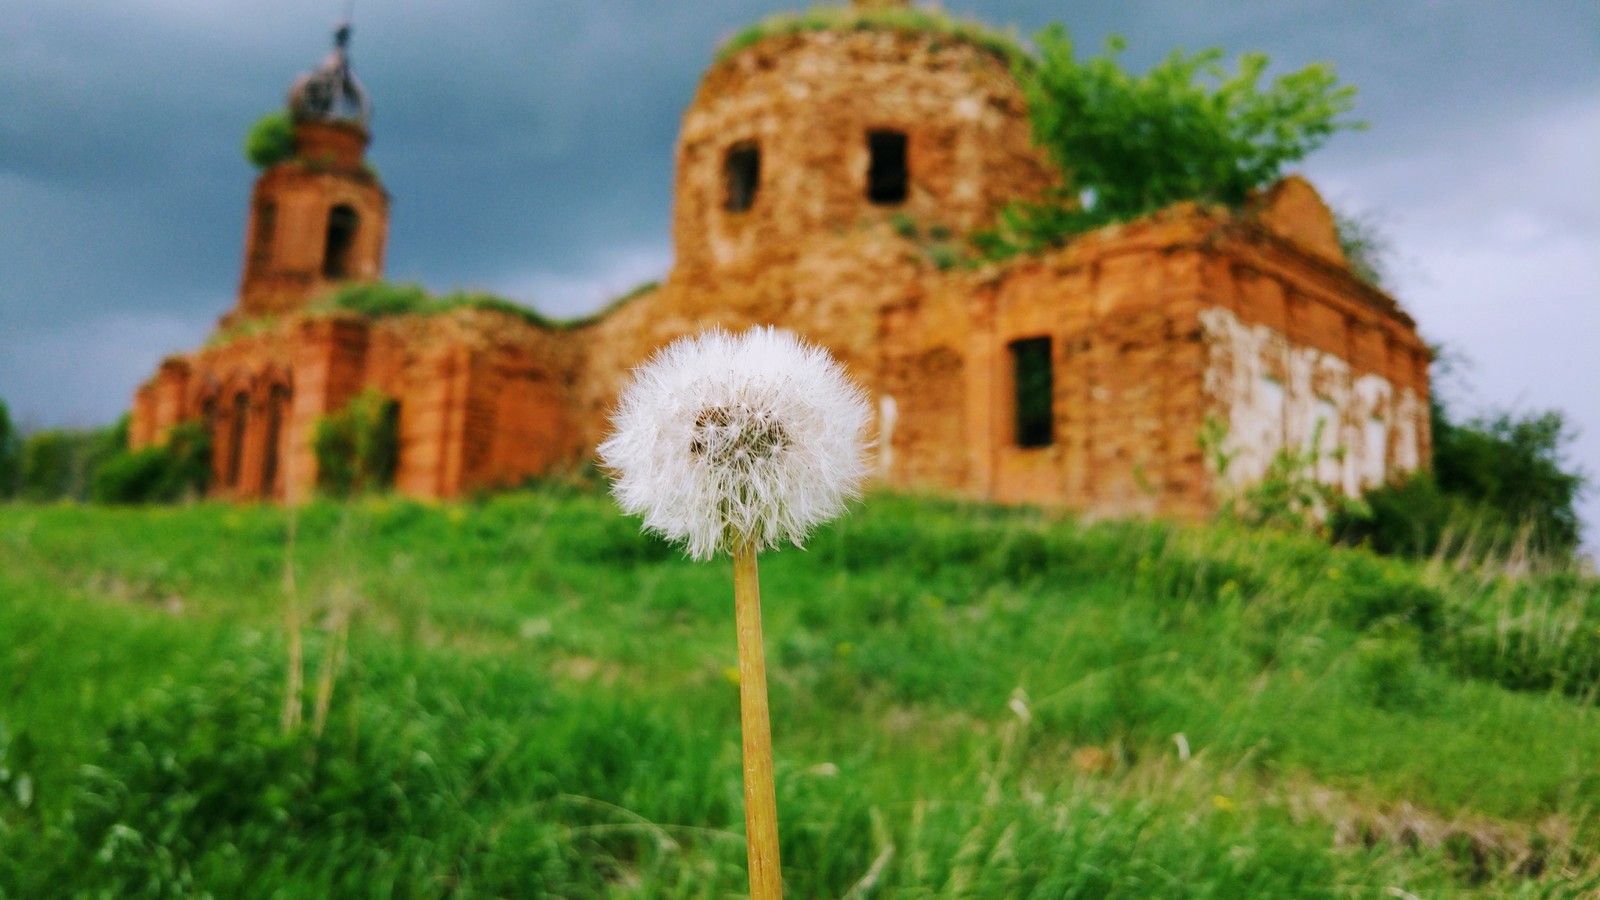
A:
(1185, 130)
(10, 454)
(1513, 464)
(270, 140)
(59, 463)
(1496, 481)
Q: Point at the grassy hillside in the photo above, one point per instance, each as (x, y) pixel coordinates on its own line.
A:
(525, 697)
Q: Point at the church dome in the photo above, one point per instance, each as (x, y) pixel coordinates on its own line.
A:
(802, 132)
(330, 92)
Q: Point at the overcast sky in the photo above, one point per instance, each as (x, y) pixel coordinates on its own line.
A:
(528, 147)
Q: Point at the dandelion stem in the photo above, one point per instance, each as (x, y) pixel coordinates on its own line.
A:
(760, 798)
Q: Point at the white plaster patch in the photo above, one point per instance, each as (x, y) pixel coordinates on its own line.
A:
(1274, 395)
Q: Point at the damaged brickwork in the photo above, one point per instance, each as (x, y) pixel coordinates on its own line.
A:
(1081, 377)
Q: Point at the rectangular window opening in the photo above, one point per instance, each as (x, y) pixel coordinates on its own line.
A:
(742, 171)
(887, 175)
(1034, 382)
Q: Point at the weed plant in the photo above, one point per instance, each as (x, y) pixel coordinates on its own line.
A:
(971, 701)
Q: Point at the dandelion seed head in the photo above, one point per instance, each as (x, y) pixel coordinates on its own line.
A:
(723, 440)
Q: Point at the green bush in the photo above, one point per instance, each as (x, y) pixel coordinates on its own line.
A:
(270, 140)
(1498, 485)
(10, 454)
(59, 463)
(180, 469)
(1185, 130)
(358, 447)
(1513, 464)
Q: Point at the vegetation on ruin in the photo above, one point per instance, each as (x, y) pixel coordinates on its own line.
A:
(358, 447)
(1498, 485)
(916, 20)
(270, 140)
(1367, 249)
(534, 700)
(380, 299)
(627, 297)
(179, 469)
(1186, 130)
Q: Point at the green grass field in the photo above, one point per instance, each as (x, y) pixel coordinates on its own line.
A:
(525, 697)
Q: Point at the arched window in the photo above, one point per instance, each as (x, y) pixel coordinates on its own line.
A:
(742, 172)
(342, 224)
(241, 413)
(277, 410)
(208, 417)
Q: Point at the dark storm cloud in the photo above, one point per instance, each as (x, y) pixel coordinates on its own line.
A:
(528, 147)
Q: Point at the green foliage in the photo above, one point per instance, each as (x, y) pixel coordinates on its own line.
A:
(1498, 487)
(535, 703)
(177, 470)
(1288, 495)
(1367, 249)
(358, 447)
(1030, 227)
(936, 244)
(270, 140)
(380, 298)
(10, 454)
(916, 20)
(1514, 465)
(60, 463)
(1187, 130)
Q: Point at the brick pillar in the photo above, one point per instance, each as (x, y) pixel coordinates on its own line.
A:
(433, 417)
(171, 384)
(330, 355)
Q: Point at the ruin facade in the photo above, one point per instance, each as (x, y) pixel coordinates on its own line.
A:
(811, 168)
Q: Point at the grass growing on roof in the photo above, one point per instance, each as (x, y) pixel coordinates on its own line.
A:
(852, 18)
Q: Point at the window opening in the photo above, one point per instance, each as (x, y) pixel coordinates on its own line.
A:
(277, 406)
(886, 174)
(742, 169)
(241, 412)
(1034, 382)
(342, 223)
(208, 415)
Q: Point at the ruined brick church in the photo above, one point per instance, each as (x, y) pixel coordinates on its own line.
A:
(809, 167)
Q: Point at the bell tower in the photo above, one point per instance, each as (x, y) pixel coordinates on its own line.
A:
(320, 217)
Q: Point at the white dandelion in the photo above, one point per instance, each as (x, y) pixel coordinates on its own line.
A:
(722, 441)
(733, 445)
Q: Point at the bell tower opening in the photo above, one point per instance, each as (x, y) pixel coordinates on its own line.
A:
(342, 224)
(742, 176)
(320, 215)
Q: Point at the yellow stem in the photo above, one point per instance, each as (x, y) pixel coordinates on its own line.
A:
(760, 798)
(296, 674)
